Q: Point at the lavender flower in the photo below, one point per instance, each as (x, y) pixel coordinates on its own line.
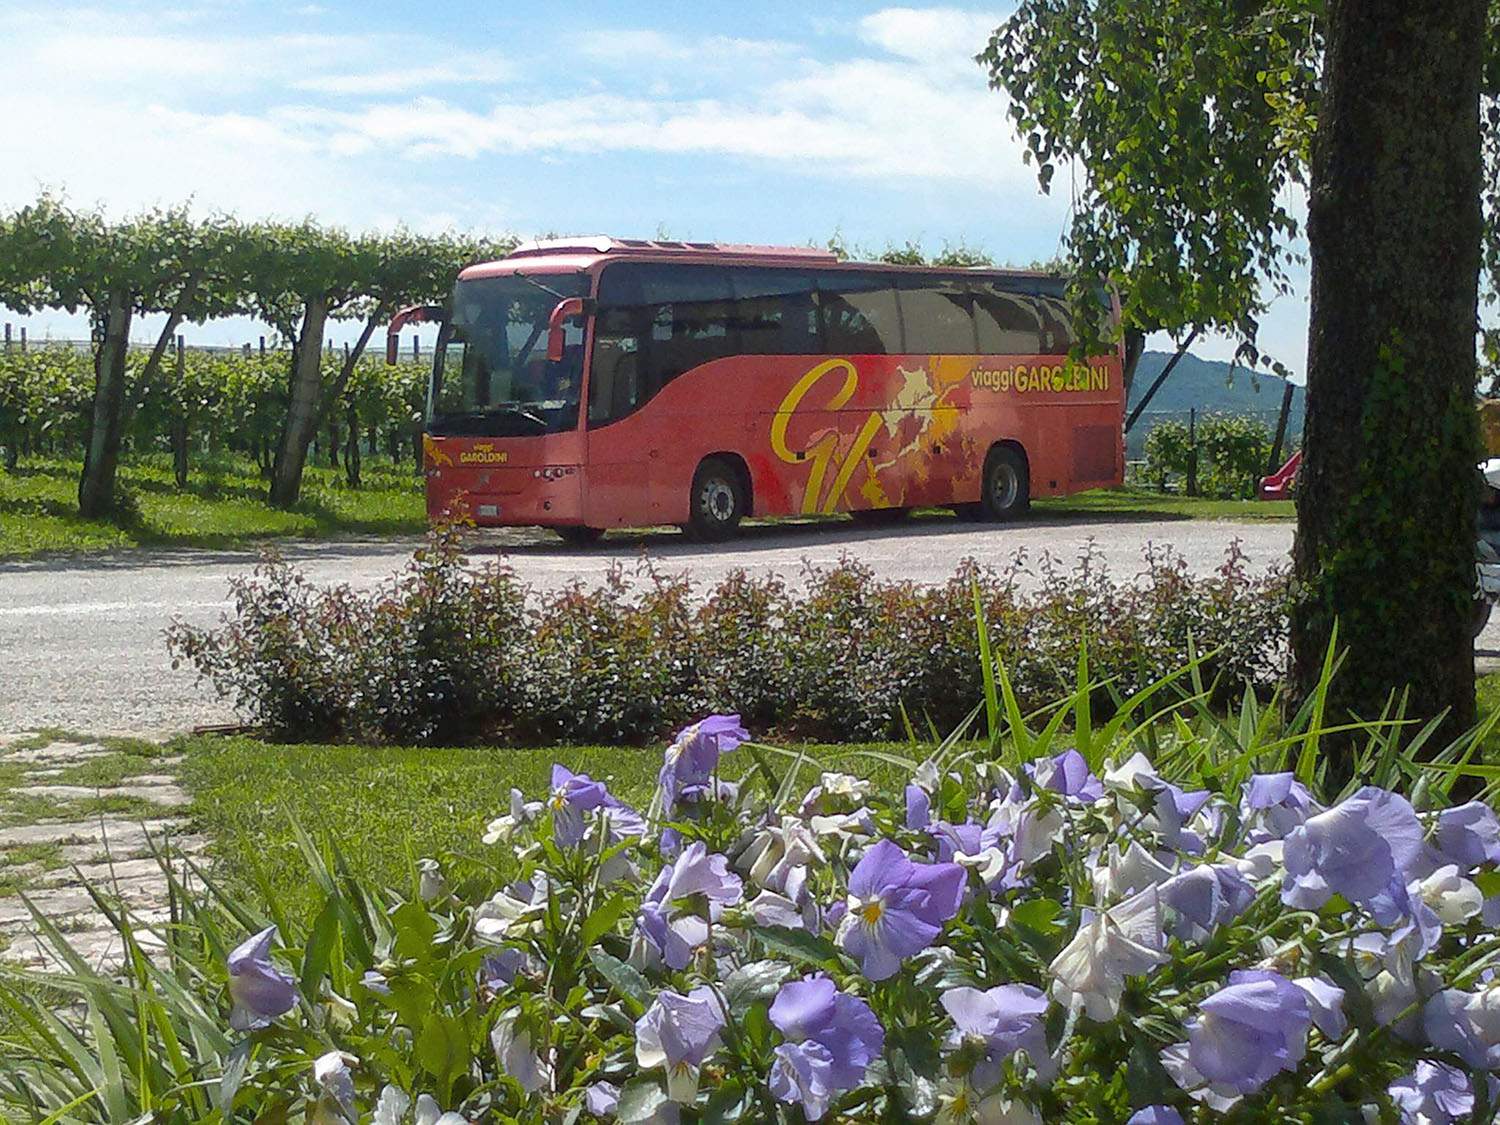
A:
(830, 1038)
(1069, 774)
(674, 917)
(572, 795)
(1466, 1023)
(677, 1033)
(1358, 849)
(1155, 1115)
(1203, 898)
(1469, 835)
(1433, 1094)
(258, 989)
(688, 766)
(515, 1052)
(918, 808)
(997, 1023)
(335, 1087)
(601, 1098)
(1249, 1031)
(896, 907)
(1274, 804)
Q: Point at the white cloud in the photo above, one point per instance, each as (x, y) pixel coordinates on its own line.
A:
(478, 71)
(930, 34)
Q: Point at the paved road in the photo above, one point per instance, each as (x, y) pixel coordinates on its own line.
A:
(80, 639)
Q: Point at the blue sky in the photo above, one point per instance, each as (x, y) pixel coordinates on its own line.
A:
(766, 122)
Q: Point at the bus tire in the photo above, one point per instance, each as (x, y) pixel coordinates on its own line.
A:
(716, 503)
(879, 517)
(1007, 484)
(576, 535)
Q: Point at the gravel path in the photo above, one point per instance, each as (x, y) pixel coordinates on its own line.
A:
(80, 639)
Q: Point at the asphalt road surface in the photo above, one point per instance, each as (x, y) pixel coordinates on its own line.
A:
(81, 638)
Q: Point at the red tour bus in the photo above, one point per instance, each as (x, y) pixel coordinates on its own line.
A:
(583, 384)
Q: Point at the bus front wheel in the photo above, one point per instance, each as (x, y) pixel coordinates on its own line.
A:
(1007, 484)
(717, 501)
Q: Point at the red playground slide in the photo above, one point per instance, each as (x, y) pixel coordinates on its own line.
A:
(1278, 486)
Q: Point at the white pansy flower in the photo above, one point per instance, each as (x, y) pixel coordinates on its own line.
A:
(522, 812)
(431, 885)
(1120, 873)
(1452, 898)
(335, 1104)
(515, 1053)
(1125, 940)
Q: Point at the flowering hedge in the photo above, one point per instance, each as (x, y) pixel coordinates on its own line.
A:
(447, 652)
(1058, 935)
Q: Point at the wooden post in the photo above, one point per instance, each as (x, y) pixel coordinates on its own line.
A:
(262, 347)
(7, 335)
(1281, 420)
(1192, 472)
(23, 339)
(246, 350)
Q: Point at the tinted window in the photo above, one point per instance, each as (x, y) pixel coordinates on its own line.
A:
(935, 315)
(860, 314)
(1009, 322)
(1057, 335)
(775, 312)
(655, 321)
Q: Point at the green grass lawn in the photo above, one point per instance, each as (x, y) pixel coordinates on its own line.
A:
(224, 504)
(1132, 501)
(387, 806)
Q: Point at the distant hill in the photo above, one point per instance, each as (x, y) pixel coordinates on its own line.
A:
(1207, 385)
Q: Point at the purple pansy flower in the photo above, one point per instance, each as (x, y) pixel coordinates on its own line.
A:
(1249, 1031)
(831, 1037)
(1273, 804)
(896, 907)
(1001, 1021)
(918, 808)
(1204, 898)
(1361, 848)
(601, 1098)
(1433, 1094)
(678, 1032)
(675, 915)
(1469, 835)
(572, 795)
(1068, 774)
(1173, 808)
(1155, 1115)
(688, 766)
(260, 991)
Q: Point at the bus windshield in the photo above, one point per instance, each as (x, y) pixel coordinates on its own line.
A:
(491, 376)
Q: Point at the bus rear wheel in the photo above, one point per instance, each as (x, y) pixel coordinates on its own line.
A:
(579, 536)
(717, 501)
(1007, 484)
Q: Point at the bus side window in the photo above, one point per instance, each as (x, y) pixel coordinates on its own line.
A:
(774, 312)
(1009, 323)
(859, 313)
(692, 319)
(936, 316)
(1057, 334)
(614, 383)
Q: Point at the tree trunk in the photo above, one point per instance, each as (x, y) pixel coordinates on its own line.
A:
(351, 448)
(96, 489)
(303, 408)
(1385, 500)
(1135, 347)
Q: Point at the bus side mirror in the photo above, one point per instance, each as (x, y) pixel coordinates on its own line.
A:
(416, 314)
(564, 311)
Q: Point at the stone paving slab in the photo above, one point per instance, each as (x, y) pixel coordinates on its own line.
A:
(111, 853)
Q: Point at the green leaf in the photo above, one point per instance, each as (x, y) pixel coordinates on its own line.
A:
(623, 978)
(1488, 883)
(639, 1101)
(728, 1103)
(415, 929)
(752, 983)
(1038, 914)
(442, 1047)
(799, 945)
(603, 919)
(319, 947)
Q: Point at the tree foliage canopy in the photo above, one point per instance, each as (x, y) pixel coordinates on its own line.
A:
(1184, 129)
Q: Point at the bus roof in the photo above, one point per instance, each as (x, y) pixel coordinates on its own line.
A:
(576, 254)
